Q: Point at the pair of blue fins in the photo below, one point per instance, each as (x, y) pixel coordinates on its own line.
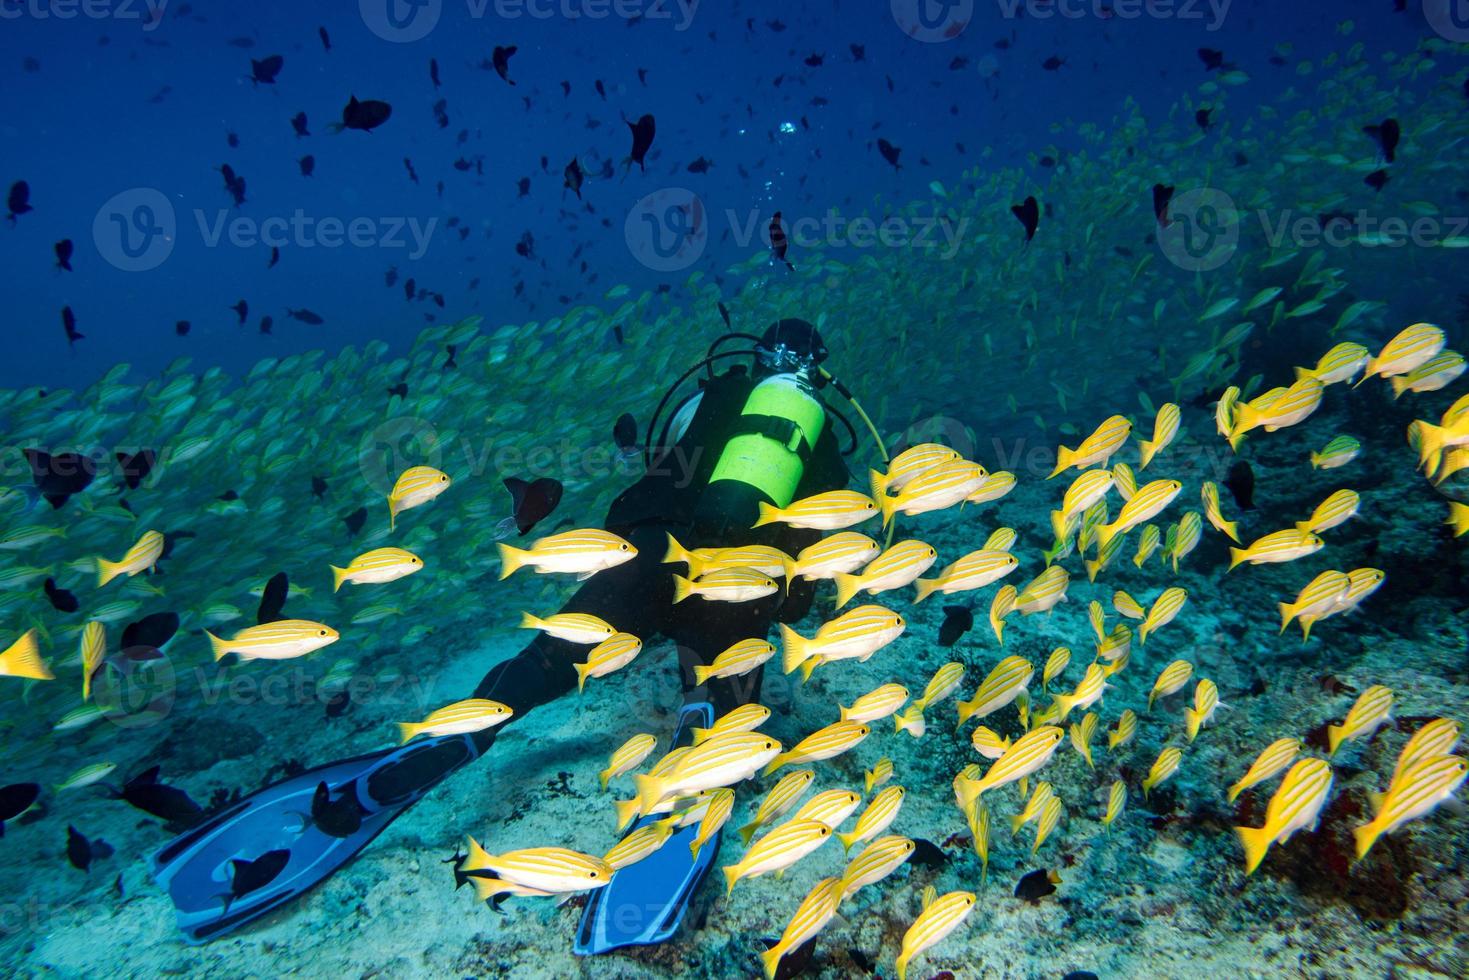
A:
(269, 848)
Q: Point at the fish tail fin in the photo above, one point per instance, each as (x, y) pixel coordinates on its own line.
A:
(926, 587)
(769, 514)
(748, 831)
(1399, 385)
(776, 763)
(808, 667)
(702, 674)
(887, 506)
(1191, 721)
(220, 647)
(627, 812)
(1093, 568)
(1105, 534)
(878, 483)
(1237, 555)
(392, 514)
(1065, 702)
(107, 571)
(1016, 822)
(1245, 419)
(1235, 790)
(1431, 441)
(1287, 613)
(406, 731)
(1064, 460)
(1231, 528)
(1058, 524)
(1303, 373)
(1148, 449)
(676, 552)
(650, 791)
(1365, 836)
(901, 966)
(731, 875)
(847, 840)
(529, 622)
(796, 652)
(510, 559)
(604, 777)
(770, 959)
(682, 588)
(582, 670)
(1255, 841)
(339, 575)
(966, 708)
(701, 735)
(1335, 735)
(847, 587)
(23, 659)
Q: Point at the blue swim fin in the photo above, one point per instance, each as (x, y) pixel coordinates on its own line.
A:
(196, 867)
(645, 902)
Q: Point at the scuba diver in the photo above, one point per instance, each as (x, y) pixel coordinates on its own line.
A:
(749, 435)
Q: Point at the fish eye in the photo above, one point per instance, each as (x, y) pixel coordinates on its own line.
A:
(622, 547)
(591, 874)
(323, 632)
(444, 478)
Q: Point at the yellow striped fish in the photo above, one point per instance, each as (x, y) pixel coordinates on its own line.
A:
(639, 844)
(612, 654)
(459, 718)
(726, 585)
(1415, 793)
(1372, 708)
(1003, 684)
(977, 816)
(1001, 606)
(1296, 805)
(1224, 410)
(1042, 794)
(582, 552)
(1125, 730)
(1280, 546)
(1082, 734)
(1147, 544)
(572, 627)
(1050, 817)
(940, 685)
(1117, 645)
(896, 567)
(555, 870)
(877, 817)
(1316, 600)
(1096, 618)
(1096, 449)
(627, 757)
(1125, 481)
(139, 558)
(1190, 529)
(1363, 582)
(1002, 539)
(93, 650)
(1437, 737)
(988, 743)
(1029, 753)
(777, 850)
(878, 860)
(1146, 504)
(995, 486)
(1088, 692)
(1337, 453)
(1277, 409)
(745, 718)
(911, 720)
(415, 487)
(1116, 801)
(741, 658)
(716, 814)
(940, 916)
(1127, 606)
(720, 761)
(701, 561)
(1044, 591)
(376, 567)
(1335, 510)
(1163, 769)
(974, 571)
(1206, 700)
(787, 791)
(845, 551)
(908, 464)
(876, 704)
(934, 489)
(829, 511)
(1414, 346)
(1339, 364)
(1171, 679)
(1088, 488)
(1274, 759)
(855, 635)
(880, 773)
(824, 743)
(812, 915)
(1165, 429)
(1209, 494)
(1055, 666)
(23, 659)
(280, 640)
(832, 807)
(1164, 609)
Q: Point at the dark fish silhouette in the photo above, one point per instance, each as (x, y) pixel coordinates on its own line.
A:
(779, 243)
(273, 596)
(1241, 483)
(251, 876)
(643, 77)
(1213, 60)
(700, 166)
(82, 852)
(63, 250)
(531, 502)
(1053, 63)
(573, 178)
(19, 201)
(724, 314)
(306, 316)
(601, 89)
(275, 257)
(153, 630)
(307, 165)
(643, 132)
(233, 183)
(625, 435)
(453, 350)
(242, 310)
(69, 324)
(171, 538)
(16, 799)
(355, 520)
(859, 52)
(318, 487)
(136, 467)
(169, 803)
(1202, 118)
(1386, 134)
(364, 116)
(61, 476)
(1376, 180)
(337, 703)
(339, 818)
(264, 71)
(1029, 215)
(1162, 198)
(501, 61)
(412, 174)
(1037, 885)
(410, 288)
(958, 620)
(400, 389)
(890, 153)
(266, 323)
(814, 60)
(326, 39)
(61, 599)
(298, 123)
(433, 71)
(182, 328)
(232, 140)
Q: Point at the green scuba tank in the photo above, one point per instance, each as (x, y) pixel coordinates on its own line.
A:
(778, 428)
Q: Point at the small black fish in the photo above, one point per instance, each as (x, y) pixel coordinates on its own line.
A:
(61, 599)
(1037, 885)
(1377, 180)
(169, 803)
(318, 487)
(59, 477)
(859, 52)
(182, 328)
(136, 467)
(412, 174)
(1202, 118)
(1241, 483)
(1162, 198)
(364, 116)
(531, 502)
(30, 64)
(1213, 60)
(815, 60)
(501, 61)
(700, 166)
(82, 852)
(326, 39)
(573, 178)
(16, 799)
(779, 243)
(410, 288)
(1029, 215)
(298, 123)
(63, 250)
(625, 435)
(601, 89)
(643, 132)
(306, 316)
(251, 876)
(228, 495)
(242, 310)
(1386, 134)
(69, 324)
(338, 818)
(927, 854)
(232, 140)
(1053, 63)
(277, 590)
(643, 77)
(337, 704)
(522, 186)
(452, 349)
(433, 71)
(400, 389)
(724, 314)
(266, 322)
(355, 520)
(890, 153)
(171, 538)
(233, 183)
(307, 165)
(153, 631)
(1080, 975)
(958, 620)
(19, 200)
(264, 71)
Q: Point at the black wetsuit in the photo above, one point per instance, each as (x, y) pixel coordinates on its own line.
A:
(637, 596)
